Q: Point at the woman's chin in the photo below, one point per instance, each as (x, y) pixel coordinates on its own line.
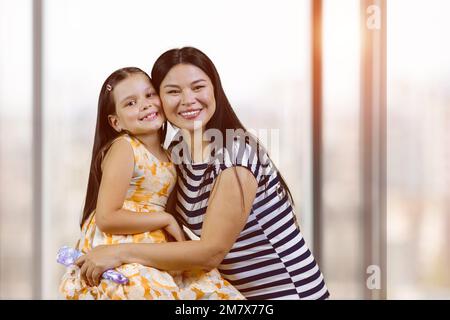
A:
(190, 124)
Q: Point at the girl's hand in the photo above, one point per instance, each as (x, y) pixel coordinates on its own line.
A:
(98, 260)
(174, 229)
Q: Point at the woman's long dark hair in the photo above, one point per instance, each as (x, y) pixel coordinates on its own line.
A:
(224, 116)
(105, 134)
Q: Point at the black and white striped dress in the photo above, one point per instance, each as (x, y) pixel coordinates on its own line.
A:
(270, 259)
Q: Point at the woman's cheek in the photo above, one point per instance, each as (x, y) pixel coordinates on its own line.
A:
(207, 99)
(170, 107)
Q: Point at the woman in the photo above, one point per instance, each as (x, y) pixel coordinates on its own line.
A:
(229, 193)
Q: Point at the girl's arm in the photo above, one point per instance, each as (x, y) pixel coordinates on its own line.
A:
(117, 171)
(224, 220)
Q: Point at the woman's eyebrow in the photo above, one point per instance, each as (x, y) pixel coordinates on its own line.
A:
(192, 83)
(171, 85)
(196, 81)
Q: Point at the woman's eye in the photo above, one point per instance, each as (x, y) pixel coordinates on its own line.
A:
(172, 92)
(198, 88)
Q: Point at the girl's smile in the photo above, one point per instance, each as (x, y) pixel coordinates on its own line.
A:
(150, 116)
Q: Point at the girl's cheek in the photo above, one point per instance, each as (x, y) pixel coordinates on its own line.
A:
(157, 101)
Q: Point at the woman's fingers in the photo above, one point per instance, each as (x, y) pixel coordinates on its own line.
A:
(89, 273)
(96, 275)
(79, 262)
(83, 270)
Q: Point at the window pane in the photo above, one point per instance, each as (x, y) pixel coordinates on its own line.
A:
(15, 150)
(342, 248)
(418, 149)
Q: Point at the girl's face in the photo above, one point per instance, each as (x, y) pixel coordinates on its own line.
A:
(187, 96)
(138, 108)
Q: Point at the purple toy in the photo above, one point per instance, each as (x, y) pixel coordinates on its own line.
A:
(67, 256)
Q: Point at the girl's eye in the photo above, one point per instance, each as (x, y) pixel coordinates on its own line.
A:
(131, 103)
(173, 92)
(149, 95)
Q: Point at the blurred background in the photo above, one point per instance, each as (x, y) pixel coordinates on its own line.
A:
(55, 55)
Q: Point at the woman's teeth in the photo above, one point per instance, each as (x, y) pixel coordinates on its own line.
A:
(190, 114)
(150, 117)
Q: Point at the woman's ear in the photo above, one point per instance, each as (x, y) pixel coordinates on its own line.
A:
(114, 122)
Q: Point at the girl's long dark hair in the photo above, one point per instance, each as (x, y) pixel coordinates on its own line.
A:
(224, 116)
(104, 135)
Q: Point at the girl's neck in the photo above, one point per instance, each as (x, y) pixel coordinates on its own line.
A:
(151, 141)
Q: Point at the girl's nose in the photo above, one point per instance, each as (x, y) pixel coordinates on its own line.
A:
(146, 105)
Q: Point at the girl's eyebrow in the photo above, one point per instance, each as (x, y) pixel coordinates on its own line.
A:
(134, 96)
(128, 98)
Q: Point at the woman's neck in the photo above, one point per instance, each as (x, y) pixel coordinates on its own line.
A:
(197, 146)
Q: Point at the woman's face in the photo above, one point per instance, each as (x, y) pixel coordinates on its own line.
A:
(187, 96)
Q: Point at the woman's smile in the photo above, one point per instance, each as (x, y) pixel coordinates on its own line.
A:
(191, 114)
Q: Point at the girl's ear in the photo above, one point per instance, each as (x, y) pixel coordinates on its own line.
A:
(114, 122)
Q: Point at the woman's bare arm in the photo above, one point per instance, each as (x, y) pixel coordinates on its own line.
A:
(224, 220)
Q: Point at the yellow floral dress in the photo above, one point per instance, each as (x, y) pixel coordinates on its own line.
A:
(150, 186)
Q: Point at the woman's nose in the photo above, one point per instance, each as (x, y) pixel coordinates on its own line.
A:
(187, 98)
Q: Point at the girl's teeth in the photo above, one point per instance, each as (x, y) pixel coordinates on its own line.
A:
(151, 116)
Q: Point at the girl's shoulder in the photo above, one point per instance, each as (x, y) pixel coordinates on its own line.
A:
(125, 137)
(120, 149)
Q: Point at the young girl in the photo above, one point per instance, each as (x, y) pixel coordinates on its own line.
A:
(130, 180)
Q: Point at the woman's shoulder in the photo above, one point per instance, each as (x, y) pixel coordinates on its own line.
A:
(244, 151)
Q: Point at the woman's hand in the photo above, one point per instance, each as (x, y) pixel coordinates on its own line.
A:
(98, 260)
(174, 229)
